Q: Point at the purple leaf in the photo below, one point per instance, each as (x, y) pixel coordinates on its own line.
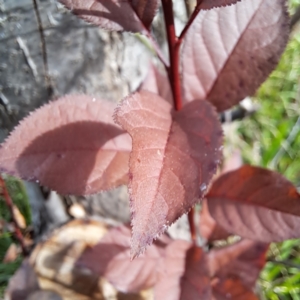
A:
(71, 145)
(257, 204)
(111, 258)
(173, 154)
(129, 15)
(230, 51)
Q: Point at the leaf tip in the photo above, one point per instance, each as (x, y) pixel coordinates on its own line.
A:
(139, 242)
(136, 250)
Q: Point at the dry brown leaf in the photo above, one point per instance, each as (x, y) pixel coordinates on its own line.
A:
(44, 295)
(56, 263)
(19, 217)
(11, 254)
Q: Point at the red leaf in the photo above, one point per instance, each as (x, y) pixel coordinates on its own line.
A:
(170, 272)
(208, 227)
(243, 260)
(256, 203)
(183, 273)
(129, 15)
(172, 155)
(195, 283)
(237, 47)
(232, 289)
(71, 145)
(158, 83)
(111, 258)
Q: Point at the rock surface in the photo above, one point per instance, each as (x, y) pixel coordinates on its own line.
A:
(72, 57)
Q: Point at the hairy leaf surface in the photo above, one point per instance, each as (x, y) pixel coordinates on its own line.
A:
(71, 145)
(173, 154)
(111, 258)
(129, 15)
(243, 260)
(256, 203)
(230, 51)
(208, 4)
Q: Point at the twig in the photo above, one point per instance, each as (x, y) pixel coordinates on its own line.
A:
(5, 102)
(156, 48)
(286, 263)
(44, 50)
(28, 58)
(9, 204)
(190, 21)
(191, 217)
(174, 48)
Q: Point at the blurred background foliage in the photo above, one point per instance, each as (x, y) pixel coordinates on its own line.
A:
(269, 138)
(19, 197)
(282, 281)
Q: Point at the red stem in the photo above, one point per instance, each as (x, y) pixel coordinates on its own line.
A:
(173, 71)
(156, 48)
(190, 21)
(9, 204)
(191, 217)
(174, 47)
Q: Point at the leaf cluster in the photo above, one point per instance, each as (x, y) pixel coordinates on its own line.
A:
(165, 142)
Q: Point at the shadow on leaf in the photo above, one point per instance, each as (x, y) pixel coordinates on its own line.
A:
(78, 158)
